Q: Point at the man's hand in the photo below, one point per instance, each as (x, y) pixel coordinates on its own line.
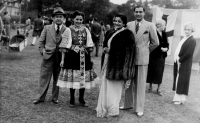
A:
(106, 50)
(41, 51)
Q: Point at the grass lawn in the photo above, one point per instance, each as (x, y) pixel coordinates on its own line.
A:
(19, 75)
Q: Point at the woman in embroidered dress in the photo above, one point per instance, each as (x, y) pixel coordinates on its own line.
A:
(77, 72)
(182, 64)
(118, 67)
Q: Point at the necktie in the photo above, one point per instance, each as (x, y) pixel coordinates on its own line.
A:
(137, 27)
(58, 29)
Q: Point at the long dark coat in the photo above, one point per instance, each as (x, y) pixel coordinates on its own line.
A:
(186, 56)
(121, 57)
(157, 61)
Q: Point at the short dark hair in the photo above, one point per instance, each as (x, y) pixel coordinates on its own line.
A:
(102, 23)
(139, 6)
(95, 19)
(5, 12)
(123, 18)
(78, 13)
(39, 16)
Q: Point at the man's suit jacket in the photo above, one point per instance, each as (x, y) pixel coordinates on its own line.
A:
(48, 42)
(95, 31)
(146, 41)
(38, 24)
(1, 26)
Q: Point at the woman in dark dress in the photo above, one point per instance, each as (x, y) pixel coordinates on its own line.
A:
(183, 64)
(157, 58)
(77, 72)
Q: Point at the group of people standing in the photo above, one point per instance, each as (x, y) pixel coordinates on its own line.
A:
(129, 49)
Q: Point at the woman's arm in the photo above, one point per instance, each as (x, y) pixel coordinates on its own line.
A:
(62, 59)
(66, 41)
(89, 39)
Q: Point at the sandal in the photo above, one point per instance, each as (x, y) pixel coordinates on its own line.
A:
(150, 89)
(159, 93)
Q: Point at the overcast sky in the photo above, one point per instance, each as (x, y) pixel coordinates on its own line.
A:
(118, 1)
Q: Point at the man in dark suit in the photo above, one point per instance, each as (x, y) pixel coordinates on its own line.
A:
(48, 47)
(38, 27)
(146, 40)
(6, 21)
(96, 32)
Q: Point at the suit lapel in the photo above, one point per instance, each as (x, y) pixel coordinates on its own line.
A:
(141, 30)
(134, 25)
(53, 32)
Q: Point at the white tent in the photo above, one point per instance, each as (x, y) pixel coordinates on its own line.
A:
(176, 18)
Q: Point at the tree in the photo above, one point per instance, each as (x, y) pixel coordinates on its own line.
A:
(186, 4)
(98, 8)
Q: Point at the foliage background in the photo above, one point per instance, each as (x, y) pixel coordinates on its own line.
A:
(102, 9)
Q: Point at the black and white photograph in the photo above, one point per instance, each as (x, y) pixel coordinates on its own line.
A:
(99, 61)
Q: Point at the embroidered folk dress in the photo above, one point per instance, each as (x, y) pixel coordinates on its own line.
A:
(78, 69)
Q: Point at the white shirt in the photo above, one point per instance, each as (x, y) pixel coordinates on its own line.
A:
(56, 27)
(138, 22)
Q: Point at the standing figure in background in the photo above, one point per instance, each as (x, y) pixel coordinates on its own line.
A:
(6, 21)
(38, 26)
(102, 36)
(68, 21)
(157, 58)
(107, 27)
(96, 32)
(182, 64)
(146, 40)
(49, 42)
(46, 21)
(77, 72)
(1, 30)
(28, 26)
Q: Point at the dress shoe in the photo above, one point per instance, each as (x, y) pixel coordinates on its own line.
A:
(159, 93)
(71, 105)
(178, 103)
(122, 108)
(55, 101)
(150, 90)
(38, 101)
(139, 114)
(83, 104)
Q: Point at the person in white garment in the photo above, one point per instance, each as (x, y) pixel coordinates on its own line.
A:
(182, 64)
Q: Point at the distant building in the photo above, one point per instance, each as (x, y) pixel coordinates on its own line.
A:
(11, 6)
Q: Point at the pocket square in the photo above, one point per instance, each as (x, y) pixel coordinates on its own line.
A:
(145, 32)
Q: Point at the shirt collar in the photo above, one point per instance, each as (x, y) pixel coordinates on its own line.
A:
(139, 22)
(57, 27)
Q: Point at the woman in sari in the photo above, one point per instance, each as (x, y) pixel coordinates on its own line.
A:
(77, 72)
(117, 67)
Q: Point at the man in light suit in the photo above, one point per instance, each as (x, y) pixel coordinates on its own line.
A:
(146, 40)
(48, 47)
